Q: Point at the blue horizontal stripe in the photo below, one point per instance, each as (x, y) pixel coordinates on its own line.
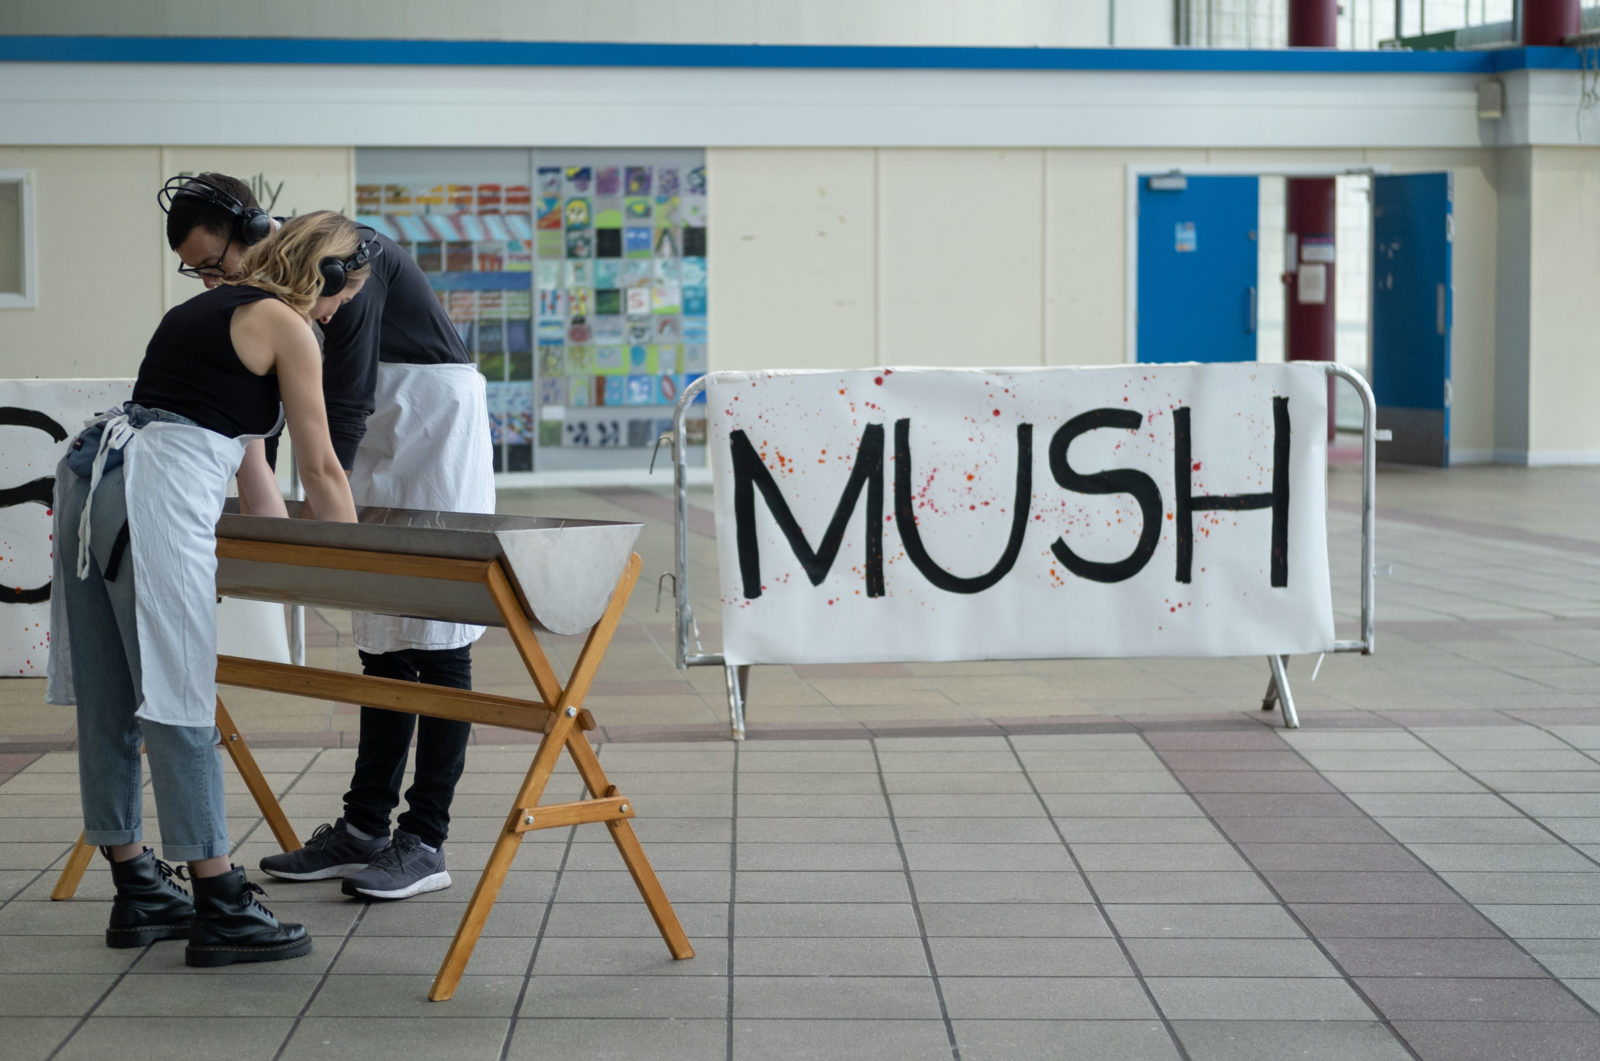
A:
(323, 51)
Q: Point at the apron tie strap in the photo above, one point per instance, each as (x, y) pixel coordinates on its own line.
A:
(117, 433)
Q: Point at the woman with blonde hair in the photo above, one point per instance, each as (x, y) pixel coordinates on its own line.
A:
(133, 614)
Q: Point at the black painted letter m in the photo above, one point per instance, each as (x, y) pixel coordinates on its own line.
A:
(749, 474)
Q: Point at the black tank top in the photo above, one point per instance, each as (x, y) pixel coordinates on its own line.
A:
(191, 368)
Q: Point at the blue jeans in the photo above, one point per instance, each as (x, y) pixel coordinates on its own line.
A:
(185, 767)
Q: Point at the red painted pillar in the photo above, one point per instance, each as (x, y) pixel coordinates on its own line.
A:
(1547, 21)
(1309, 320)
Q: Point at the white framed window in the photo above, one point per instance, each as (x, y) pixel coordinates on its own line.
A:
(18, 279)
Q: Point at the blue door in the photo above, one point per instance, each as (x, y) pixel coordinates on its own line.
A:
(1197, 268)
(1411, 310)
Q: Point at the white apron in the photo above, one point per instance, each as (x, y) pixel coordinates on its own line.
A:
(176, 480)
(427, 447)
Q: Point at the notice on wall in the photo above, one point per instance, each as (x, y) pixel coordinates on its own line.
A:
(38, 419)
(1311, 284)
(949, 514)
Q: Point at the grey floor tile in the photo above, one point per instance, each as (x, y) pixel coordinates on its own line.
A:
(627, 957)
(1432, 830)
(754, 920)
(814, 831)
(65, 954)
(1192, 857)
(1545, 921)
(819, 857)
(36, 1038)
(1541, 781)
(599, 996)
(1229, 957)
(632, 919)
(758, 782)
(1102, 1040)
(244, 1038)
(823, 804)
(1074, 781)
(1175, 886)
(1012, 919)
(406, 995)
(1259, 1040)
(861, 997)
(1331, 857)
(803, 887)
(685, 856)
(1203, 920)
(1121, 805)
(1472, 999)
(1566, 958)
(1386, 805)
(1015, 956)
(377, 1040)
(1014, 782)
(1045, 998)
(906, 805)
(1254, 998)
(617, 886)
(1359, 886)
(183, 996)
(51, 994)
(1031, 830)
(1188, 830)
(1266, 830)
(837, 1040)
(1432, 957)
(998, 886)
(1493, 857)
(987, 856)
(1497, 1041)
(1543, 887)
(395, 954)
(1404, 920)
(1388, 781)
(830, 956)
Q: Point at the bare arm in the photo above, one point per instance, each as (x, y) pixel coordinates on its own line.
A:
(270, 336)
(258, 487)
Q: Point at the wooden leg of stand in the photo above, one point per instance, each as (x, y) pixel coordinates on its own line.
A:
(633, 856)
(499, 864)
(239, 751)
(72, 872)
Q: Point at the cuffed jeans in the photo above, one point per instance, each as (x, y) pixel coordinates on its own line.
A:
(185, 767)
(386, 744)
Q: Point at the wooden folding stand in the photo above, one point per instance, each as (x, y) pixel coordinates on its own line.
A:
(558, 713)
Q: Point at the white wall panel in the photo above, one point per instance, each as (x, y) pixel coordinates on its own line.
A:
(1564, 370)
(793, 258)
(960, 275)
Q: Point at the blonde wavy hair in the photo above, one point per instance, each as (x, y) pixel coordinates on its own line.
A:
(287, 263)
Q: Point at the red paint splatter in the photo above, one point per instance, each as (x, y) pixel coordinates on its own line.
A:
(878, 380)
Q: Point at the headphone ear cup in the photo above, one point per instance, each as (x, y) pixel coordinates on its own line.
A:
(333, 276)
(255, 225)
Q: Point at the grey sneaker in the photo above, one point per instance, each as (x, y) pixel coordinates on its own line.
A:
(402, 869)
(331, 852)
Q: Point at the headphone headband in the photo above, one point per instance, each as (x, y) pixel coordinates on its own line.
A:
(251, 224)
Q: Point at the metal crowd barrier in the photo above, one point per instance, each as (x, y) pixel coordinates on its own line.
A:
(737, 677)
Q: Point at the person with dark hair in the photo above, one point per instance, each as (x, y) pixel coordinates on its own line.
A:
(133, 621)
(409, 421)
(212, 219)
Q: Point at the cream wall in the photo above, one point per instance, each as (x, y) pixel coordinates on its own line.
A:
(99, 251)
(1564, 312)
(105, 275)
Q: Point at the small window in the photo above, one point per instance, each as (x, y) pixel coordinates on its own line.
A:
(17, 283)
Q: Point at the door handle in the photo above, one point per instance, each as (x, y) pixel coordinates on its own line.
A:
(1251, 317)
(1439, 321)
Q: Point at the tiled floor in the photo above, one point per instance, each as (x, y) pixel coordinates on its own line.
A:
(1099, 859)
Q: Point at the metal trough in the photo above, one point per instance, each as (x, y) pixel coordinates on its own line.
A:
(563, 570)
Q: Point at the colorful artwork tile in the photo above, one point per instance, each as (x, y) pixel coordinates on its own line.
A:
(636, 180)
(577, 214)
(608, 181)
(694, 301)
(580, 245)
(608, 242)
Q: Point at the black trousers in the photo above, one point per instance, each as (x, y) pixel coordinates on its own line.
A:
(386, 744)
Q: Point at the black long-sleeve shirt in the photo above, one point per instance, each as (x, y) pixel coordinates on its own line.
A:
(396, 317)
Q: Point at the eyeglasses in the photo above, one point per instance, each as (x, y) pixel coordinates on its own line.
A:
(211, 270)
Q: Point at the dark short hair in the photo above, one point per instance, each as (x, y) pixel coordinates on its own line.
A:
(189, 212)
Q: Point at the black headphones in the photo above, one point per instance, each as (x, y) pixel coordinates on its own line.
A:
(251, 224)
(336, 271)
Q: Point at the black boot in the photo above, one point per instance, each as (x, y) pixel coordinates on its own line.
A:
(149, 904)
(230, 926)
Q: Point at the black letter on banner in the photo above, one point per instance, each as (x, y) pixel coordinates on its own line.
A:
(39, 491)
(1118, 481)
(748, 470)
(1278, 500)
(911, 538)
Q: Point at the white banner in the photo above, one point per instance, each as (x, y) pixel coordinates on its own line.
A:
(1156, 510)
(37, 420)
